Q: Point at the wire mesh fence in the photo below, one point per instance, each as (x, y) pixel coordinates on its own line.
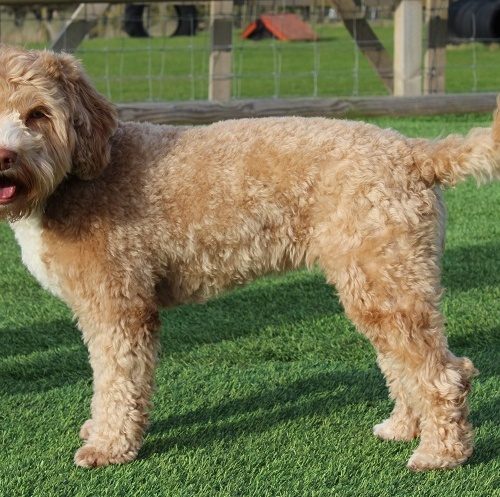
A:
(162, 66)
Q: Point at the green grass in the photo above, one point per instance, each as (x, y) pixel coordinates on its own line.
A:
(177, 68)
(266, 391)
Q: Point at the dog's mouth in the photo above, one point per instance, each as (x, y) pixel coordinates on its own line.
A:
(8, 190)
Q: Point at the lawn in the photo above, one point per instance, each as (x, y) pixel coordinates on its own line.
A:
(265, 391)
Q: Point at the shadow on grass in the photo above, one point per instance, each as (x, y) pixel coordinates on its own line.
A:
(38, 338)
(319, 395)
(41, 357)
(487, 440)
(469, 267)
(247, 311)
(485, 450)
(42, 361)
(51, 355)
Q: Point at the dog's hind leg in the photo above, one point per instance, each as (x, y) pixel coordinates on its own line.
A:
(403, 423)
(122, 343)
(390, 289)
(404, 324)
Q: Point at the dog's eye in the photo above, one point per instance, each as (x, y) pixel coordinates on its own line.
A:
(36, 115)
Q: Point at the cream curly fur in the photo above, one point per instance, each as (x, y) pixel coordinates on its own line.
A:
(120, 219)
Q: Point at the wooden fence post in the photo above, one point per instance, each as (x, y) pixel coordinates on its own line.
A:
(436, 23)
(408, 48)
(220, 67)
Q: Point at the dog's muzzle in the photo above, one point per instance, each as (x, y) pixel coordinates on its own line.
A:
(8, 187)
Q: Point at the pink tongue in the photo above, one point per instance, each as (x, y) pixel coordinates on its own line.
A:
(7, 192)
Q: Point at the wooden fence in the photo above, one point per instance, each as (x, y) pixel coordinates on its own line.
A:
(403, 76)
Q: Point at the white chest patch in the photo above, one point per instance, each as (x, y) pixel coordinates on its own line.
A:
(28, 233)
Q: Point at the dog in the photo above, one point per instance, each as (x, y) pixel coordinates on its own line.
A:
(120, 219)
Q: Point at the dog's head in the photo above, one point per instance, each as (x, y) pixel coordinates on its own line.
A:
(52, 123)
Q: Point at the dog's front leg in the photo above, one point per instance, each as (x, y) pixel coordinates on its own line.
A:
(122, 349)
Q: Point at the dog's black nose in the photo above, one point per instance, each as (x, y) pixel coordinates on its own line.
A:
(7, 158)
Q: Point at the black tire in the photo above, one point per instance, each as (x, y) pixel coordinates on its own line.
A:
(188, 20)
(475, 19)
(133, 24)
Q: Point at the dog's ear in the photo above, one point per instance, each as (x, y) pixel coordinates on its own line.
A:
(94, 119)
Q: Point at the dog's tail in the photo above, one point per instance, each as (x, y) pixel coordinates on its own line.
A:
(454, 158)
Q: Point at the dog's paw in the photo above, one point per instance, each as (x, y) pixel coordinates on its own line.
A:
(90, 456)
(390, 430)
(422, 460)
(86, 429)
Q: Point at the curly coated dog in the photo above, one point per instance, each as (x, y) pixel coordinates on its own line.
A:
(120, 219)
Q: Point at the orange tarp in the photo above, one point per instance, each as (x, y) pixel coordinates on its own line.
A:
(286, 27)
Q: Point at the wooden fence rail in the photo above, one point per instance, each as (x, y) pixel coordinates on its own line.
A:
(205, 112)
